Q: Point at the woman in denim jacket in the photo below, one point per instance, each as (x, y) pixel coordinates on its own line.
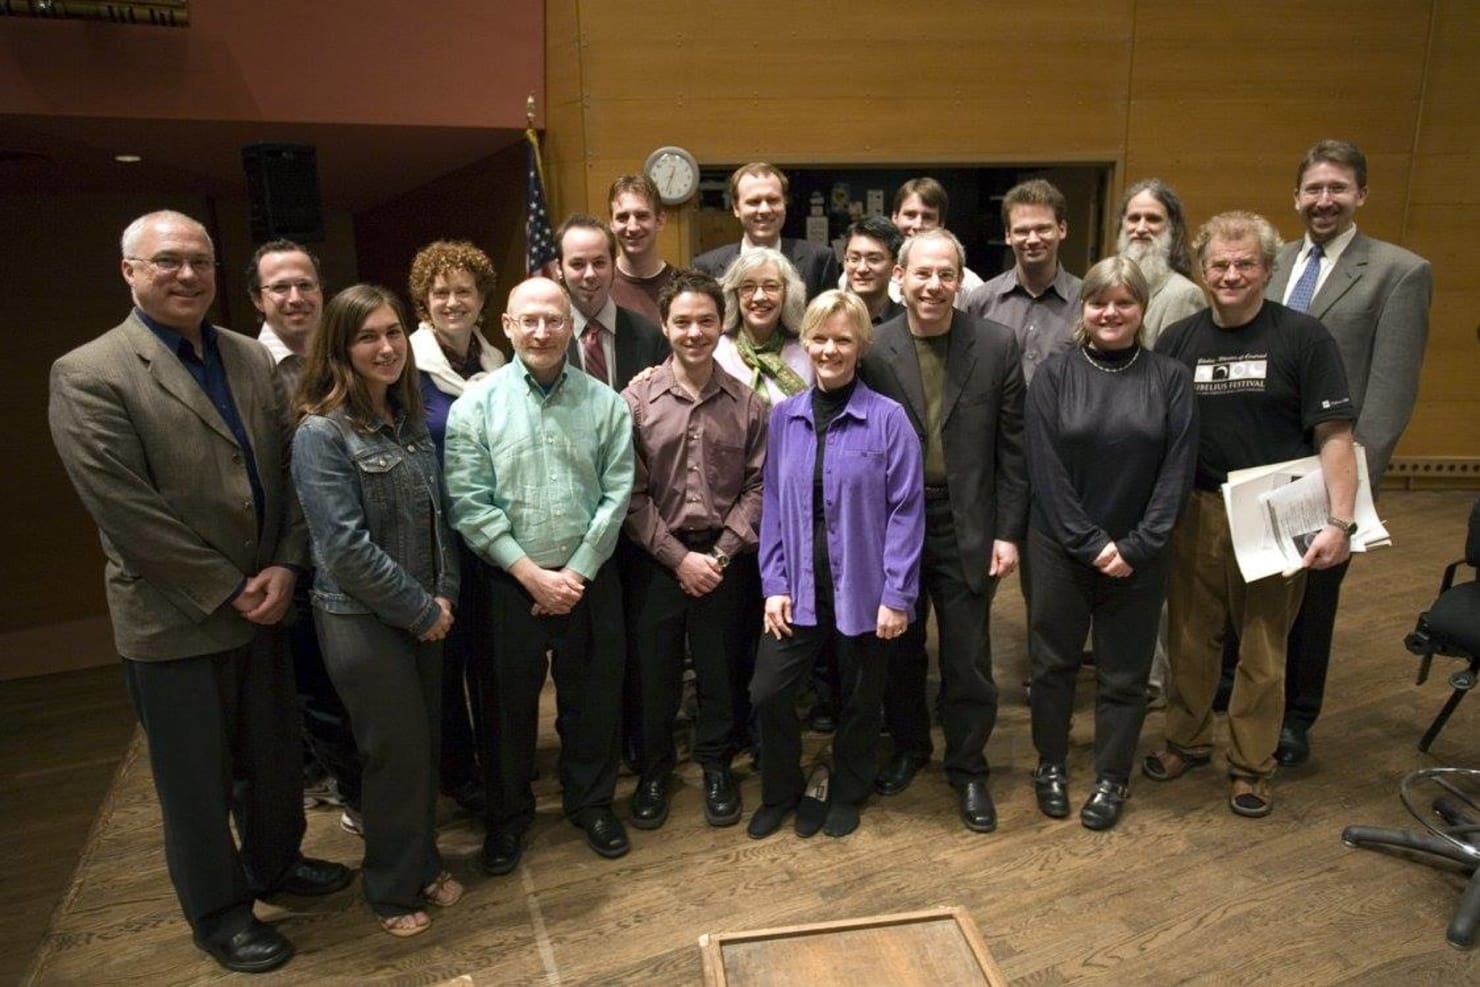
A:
(367, 475)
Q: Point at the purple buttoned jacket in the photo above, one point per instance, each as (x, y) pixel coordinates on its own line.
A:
(873, 486)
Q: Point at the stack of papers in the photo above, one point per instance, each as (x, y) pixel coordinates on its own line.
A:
(1275, 511)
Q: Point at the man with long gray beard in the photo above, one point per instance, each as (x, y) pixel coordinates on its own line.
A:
(1153, 233)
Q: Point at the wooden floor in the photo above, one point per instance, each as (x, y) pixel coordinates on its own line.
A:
(1181, 892)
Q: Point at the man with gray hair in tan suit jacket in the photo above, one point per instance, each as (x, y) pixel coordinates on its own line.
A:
(175, 435)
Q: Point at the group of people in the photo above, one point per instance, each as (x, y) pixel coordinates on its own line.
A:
(768, 467)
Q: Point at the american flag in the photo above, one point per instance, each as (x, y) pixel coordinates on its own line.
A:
(539, 239)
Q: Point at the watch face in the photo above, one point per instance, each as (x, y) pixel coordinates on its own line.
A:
(674, 174)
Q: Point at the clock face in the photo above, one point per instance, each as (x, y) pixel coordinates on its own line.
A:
(675, 173)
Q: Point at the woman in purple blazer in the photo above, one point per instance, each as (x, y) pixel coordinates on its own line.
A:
(841, 532)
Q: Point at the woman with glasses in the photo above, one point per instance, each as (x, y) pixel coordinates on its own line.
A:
(1099, 538)
(452, 285)
(842, 526)
(386, 574)
(764, 302)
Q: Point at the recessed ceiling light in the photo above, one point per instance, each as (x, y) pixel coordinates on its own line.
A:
(127, 158)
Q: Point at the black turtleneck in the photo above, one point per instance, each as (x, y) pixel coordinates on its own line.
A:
(826, 406)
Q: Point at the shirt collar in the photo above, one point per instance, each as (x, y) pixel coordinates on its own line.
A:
(1059, 285)
(173, 340)
(529, 378)
(268, 337)
(664, 381)
(853, 409)
(607, 317)
(1332, 249)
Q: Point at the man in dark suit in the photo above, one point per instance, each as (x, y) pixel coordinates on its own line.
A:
(175, 434)
(1373, 297)
(961, 380)
(758, 191)
(610, 343)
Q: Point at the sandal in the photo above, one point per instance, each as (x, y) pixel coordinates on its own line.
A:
(444, 892)
(1169, 764)
(1250, 797)
(406, 924)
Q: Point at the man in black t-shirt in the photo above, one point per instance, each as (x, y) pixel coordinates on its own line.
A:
(1270, 387)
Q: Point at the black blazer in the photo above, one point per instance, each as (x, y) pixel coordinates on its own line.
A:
(981, 427)
(639, 344)
(817, 265)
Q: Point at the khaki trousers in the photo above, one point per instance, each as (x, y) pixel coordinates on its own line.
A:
(1205, 591)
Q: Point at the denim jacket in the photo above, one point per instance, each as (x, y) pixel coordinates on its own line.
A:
(373, 500)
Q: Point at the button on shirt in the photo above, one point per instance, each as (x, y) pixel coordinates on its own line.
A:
(1043, 325)
(540, 472)
(698, 463)
(210, 373)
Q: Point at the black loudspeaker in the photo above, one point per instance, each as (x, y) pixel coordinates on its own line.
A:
(283, 185)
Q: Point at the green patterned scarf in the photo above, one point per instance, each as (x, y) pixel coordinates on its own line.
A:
(766, 361)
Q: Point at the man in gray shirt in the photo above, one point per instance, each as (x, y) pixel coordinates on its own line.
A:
(1036, 297)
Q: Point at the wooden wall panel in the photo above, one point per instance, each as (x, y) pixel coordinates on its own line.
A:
(1221, 106)
(1443, 223)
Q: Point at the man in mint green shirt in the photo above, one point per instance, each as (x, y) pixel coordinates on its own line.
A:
(539, 470)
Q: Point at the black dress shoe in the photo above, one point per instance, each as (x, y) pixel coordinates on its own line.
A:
(501, 852)
(1294, 746)
(311, 877)
(1105, 804)
(978, 811)
(1051, 785)
(899, 772)
(257, 948)
(650, 803)
(722, 806)
(842, 819)
(767, 819)
(605, 833)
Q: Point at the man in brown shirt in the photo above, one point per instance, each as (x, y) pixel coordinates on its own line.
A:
(637, 219)
(700, 439)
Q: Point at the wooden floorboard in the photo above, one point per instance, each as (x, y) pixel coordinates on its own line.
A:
(1181, 892)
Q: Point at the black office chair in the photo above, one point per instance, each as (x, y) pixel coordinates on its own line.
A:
(1451, 627)
(1453, 836)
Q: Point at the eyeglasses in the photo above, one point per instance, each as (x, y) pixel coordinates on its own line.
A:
(170, 264)
(748, 288)
(529, 323)
(282, 289)
(1218, 268)
(947, 277)
(872, 260)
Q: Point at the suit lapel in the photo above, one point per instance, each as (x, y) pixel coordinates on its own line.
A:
(901, 361)
(1350, 267)
(1285, 260)
(624, 347)
(170, 374)
(960, 361)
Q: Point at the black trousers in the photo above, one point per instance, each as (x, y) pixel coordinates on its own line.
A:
(224, 743)
(1308, 648)
(327, 735)
(781, 668)
(588, 650)
(1069, 597)
(968, 707)
(392, 684)
(464, 651)
(662, 616)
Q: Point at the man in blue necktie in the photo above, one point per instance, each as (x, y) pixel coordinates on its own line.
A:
(1373, 297)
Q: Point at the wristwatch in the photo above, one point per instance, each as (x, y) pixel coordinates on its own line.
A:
(721, 558)
(1347, 528)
